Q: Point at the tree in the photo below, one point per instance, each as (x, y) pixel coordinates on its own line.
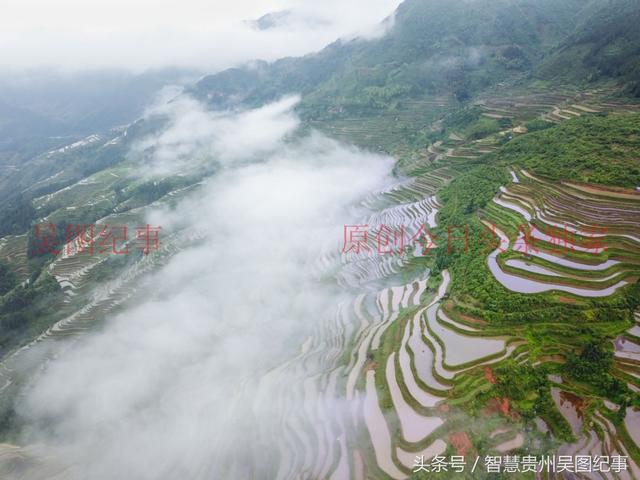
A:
(8, 278)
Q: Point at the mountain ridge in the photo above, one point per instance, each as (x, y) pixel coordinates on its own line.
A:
(435, 47)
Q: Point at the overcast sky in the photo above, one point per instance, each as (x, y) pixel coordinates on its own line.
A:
(142, 34)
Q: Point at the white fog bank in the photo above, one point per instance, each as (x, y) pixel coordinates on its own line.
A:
(144, 34)
(175, 387)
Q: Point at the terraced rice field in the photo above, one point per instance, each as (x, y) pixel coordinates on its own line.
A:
(370, 382)
(567, 240)
(95, 284)
(13, 249)
(556, 106)
(599, 230)
(396, 353)
(519, 108)
(386, 131)
(579, 242)
(376, 386)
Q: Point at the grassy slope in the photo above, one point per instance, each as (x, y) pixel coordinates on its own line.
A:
(592, 149)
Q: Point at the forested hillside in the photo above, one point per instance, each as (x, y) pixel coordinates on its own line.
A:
(446, 48)
(605, 45)
(433, 47)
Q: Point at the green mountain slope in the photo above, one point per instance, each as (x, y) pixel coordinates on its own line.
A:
(606, 44)
(591, 149)
(433, 47)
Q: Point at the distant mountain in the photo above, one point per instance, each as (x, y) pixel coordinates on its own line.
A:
(17, 121)
(434, 47)
(24, 133)
(41, 109)
(272, 20)
(444, 47)
(287, 18)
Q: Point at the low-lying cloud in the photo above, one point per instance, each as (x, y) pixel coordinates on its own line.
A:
(197, 34)
(175, 387)
(195, 135)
